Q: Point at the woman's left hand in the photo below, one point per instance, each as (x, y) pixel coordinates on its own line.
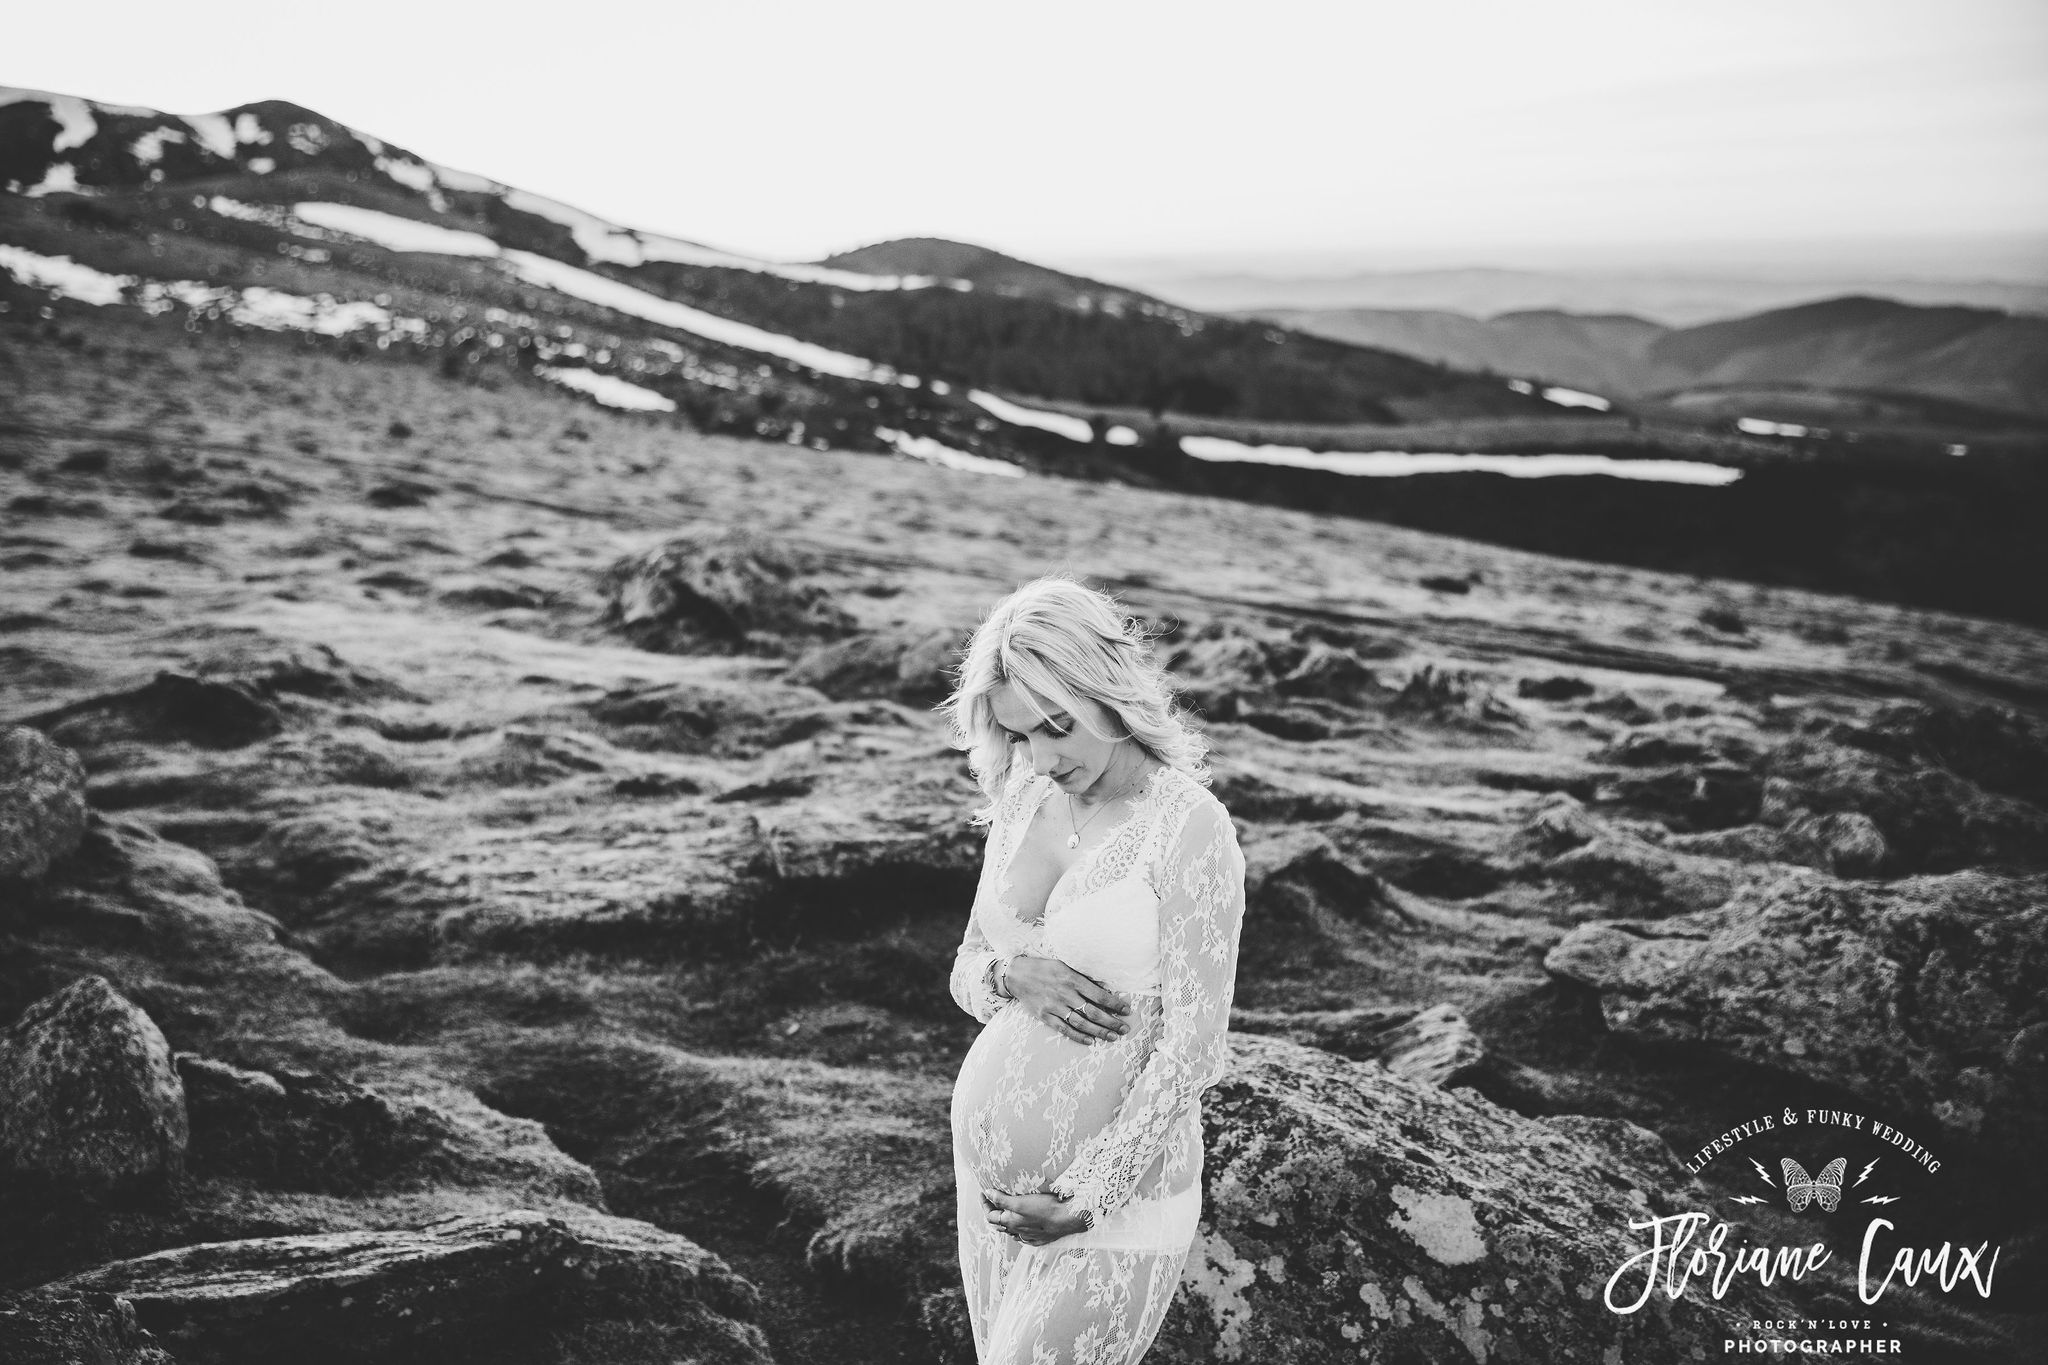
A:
(1032, 1218)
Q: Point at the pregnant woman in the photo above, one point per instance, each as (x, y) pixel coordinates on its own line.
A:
(1101, 956)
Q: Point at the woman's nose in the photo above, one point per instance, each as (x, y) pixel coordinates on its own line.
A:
(1043, 759)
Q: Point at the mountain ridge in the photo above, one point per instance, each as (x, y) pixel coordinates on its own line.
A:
(1986, 358)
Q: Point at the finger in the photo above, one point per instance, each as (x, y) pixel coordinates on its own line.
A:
(1059, 1021)
(1081, 1030)
(1095, 1021)
(1104, 999)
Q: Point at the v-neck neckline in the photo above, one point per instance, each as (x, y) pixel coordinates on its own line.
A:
(1086, 855)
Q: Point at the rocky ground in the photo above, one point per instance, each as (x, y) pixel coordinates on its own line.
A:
(479, 874)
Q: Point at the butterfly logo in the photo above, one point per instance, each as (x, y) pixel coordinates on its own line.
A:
(1824, 1189)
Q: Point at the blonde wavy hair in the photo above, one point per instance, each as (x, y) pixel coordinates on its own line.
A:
(1065, 640)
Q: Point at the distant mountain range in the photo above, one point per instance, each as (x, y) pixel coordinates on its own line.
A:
(1674, 298)
(1987, 359)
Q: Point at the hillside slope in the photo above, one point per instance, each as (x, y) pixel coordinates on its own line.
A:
(258, 182)
(1605, 354)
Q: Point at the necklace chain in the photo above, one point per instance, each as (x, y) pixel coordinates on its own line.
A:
(1074, 839)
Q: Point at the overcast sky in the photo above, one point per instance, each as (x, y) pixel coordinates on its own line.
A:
(1440, 131)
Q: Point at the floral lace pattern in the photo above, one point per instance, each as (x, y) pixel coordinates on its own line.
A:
(1153, 910)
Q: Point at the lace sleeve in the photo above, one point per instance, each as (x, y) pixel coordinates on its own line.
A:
(971, 989)
(1201, 912)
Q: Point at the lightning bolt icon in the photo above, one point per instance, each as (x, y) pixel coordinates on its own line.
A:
(1762, 1172)
(1749, 1199)
(1882, 1199)
(1866, 1172)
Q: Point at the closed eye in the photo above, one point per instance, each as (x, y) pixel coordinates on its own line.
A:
(1050, 728)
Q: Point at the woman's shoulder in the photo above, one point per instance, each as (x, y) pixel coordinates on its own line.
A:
(1187, 801)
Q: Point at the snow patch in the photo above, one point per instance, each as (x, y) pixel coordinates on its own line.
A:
(406, 234)
(600, 241)
(149, 148)
(248, 213)
(410, 174)
(277, 311)
(624, 298)
(61, 178)
(677, 251)
(1758, 426)
(262, 165)
(611, 244)
(607, 389)
(1121, 436)
(75, 123)
(63, 275)
(1059, 423)
(393, 233)
(247, 129)
(1395, 463)
(214, 133)
(931, 451)
(464, 181)
(1572, 398)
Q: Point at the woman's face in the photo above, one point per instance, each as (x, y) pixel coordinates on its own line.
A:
(1061, 745)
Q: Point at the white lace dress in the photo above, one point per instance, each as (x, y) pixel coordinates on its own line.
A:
(1153, 910)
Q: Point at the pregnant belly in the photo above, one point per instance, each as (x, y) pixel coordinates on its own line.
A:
(1027, 1096)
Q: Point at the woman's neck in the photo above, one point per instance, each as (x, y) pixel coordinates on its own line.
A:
(1113, 786)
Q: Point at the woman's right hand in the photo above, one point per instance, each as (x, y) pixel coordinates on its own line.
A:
(1070, 1003)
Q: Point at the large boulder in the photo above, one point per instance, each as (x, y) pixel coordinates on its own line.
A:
(1846, 843)
(92, 1101)
(1352, 1211)
(1613, 866)
(1436, 1045)
(1220, 668)
(1924, 994)
(736, 592)
(289, 1129)
(242, 690)
(1996, 747)
(1932, 819)
(519, 1286)
(82, 1329)
(1310, 900)
(906, 662)
(1332, 674)
(42, 803)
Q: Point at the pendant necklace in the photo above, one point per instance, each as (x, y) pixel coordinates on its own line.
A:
(1074, 839)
